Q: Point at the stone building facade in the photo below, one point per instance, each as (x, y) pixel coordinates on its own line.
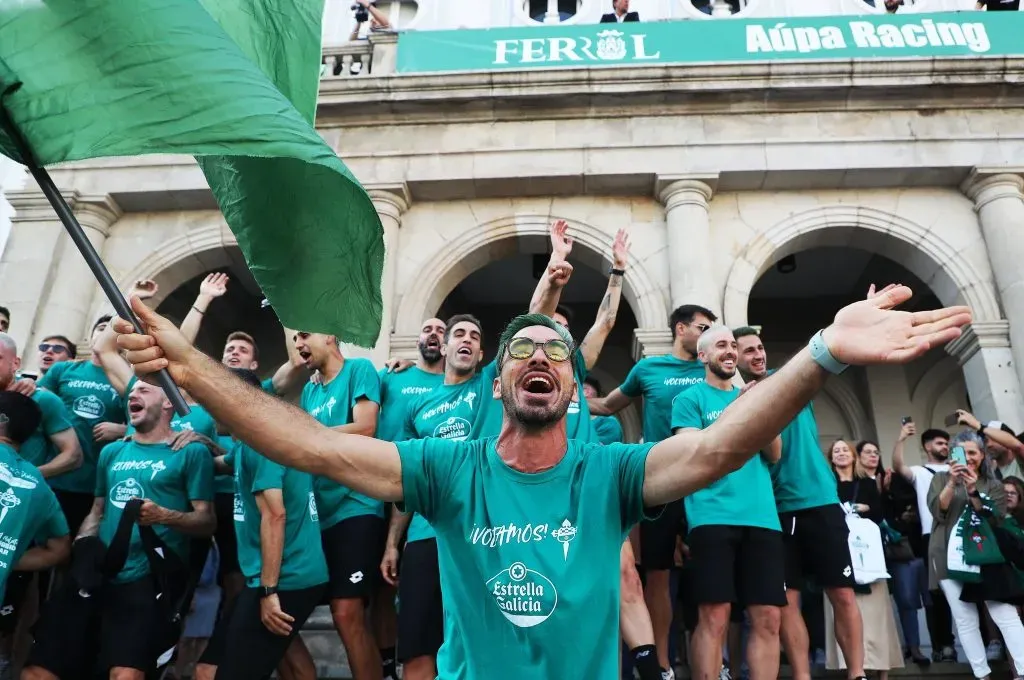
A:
(909, 169)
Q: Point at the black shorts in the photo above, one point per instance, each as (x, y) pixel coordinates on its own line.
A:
(227, 544)
(76, 507)
(353, 548)
(816, 547)
(420, 612)
(742, 565)
(658, 538)
(241, 646)
(128, 634)
(18, 585)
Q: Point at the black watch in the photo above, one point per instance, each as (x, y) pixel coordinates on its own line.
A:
(974, 494)
(267, 591)
(616, 272)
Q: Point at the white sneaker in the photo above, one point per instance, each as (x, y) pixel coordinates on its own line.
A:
(668, 675)
(724, 674)
(994, 651)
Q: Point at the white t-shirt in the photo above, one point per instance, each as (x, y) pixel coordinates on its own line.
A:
(922, 482)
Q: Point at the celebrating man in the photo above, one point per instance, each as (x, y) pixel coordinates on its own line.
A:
(529, 524)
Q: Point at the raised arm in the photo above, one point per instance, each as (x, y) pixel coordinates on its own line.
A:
(899, 465)
(549, 288)
(292, 374)
(212, 287)
(996, 434)
(118, 371)
(594, 341)
(276, 429)
(866, 332)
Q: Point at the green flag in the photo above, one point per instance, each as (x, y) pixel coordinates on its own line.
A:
(233, 83)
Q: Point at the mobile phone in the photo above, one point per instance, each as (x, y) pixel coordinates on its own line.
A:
(957, 455)
(28, 376)
(906, 420)
(952, 419)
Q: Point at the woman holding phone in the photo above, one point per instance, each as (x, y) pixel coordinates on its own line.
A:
(970, 480)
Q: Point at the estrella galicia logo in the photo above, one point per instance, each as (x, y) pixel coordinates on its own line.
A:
(525, 597)
(89, 407)
(453, 428)
(122, 492)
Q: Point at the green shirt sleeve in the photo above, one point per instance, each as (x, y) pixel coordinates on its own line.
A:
(633, 385)
(428, 467)
(686, 411)
(55, 416)
(198, 473)
(268, 386)
(631, 461)
(51, 381)
(53, 523)
(365, 382)
(267, 475)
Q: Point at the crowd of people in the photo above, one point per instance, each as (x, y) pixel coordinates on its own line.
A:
(464, 519)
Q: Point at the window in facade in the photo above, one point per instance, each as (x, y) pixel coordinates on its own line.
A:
(551, 11)
(719, 8)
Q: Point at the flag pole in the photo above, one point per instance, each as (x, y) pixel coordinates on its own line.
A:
(77, 234)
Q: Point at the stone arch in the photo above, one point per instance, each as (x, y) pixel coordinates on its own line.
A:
(491, 241)
(953, 278)
(846, 402)
(933, 386)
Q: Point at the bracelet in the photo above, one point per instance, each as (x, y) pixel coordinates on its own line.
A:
(823, 357)
(198, 310)
(617, 272)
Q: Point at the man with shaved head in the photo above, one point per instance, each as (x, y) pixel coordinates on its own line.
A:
(530, 523)
(736, 551)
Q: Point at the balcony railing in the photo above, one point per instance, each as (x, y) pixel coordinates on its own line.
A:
(351, 60)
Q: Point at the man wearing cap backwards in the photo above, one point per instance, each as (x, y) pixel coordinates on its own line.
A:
(529, 524)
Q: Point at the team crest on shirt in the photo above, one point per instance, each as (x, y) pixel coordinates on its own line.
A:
(313, 513)
(7, 501)
(453, 428)
(89, 407)
(525, 597)
(122, 492)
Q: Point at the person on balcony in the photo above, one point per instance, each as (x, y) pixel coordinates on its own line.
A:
(367, 11)
(620, 13)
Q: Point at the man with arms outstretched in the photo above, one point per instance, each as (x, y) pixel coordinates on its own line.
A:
(519, 608)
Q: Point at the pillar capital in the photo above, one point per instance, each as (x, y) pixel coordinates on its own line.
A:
(690, 189)
(978, 335)
(651, 342)
(390, 199)
(31, 205)
(97, 212)
(985, 185)
(405, 347)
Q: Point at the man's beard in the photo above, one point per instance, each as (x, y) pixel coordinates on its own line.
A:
(721, 372)
(940, 454)
(534, 418)
(430, 354)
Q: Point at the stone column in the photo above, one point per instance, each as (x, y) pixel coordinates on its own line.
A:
(983, 351)
(391, 203)
(651, 342)
(1000, 206)
(67, 305)
(689, 240)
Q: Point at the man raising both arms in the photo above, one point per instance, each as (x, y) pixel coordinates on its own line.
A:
(347, 399)
(659, 380)
(534, 598)
(737, 557)
(813, 526)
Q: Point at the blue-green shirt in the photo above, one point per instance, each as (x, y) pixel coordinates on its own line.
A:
(29, 512)
(397, 391)
(201, 422)
(528, 562)
(741, 498)
(90, 399)
(38, 449)
(332, 403)
(607, 429)
(171, 479)
(802, 478)
(302, 562)
(658, 380)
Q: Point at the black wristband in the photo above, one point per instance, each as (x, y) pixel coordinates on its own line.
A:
(616, 272)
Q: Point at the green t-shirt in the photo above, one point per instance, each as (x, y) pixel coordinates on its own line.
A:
(397, 391)
(529, 562)
(447, 412)
(741, 498)
(658, 380)
(577, 417)
(302, 561)
(171, 479)
(38, 449)
(29, 512)
(802, 478)
(201, 422)
(224, 483)
(332, 405)
(90, 399)
(607, 429)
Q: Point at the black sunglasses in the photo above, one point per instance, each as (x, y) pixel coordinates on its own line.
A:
(47, 347)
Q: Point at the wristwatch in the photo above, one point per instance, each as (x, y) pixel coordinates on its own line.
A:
(616, 272)
(974, 494)
(821, 354)
(267, 591)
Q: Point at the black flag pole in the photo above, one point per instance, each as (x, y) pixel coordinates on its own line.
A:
(77, 234)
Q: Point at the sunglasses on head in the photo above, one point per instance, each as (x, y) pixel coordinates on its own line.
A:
(524, 348)
(47, 347)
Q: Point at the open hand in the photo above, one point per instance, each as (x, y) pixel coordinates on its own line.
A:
(620, 249)
(395, 365)
(561, 244)
(24, 387)
(214, 285)
(144, 288)
(108, 432)
(873, 332)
